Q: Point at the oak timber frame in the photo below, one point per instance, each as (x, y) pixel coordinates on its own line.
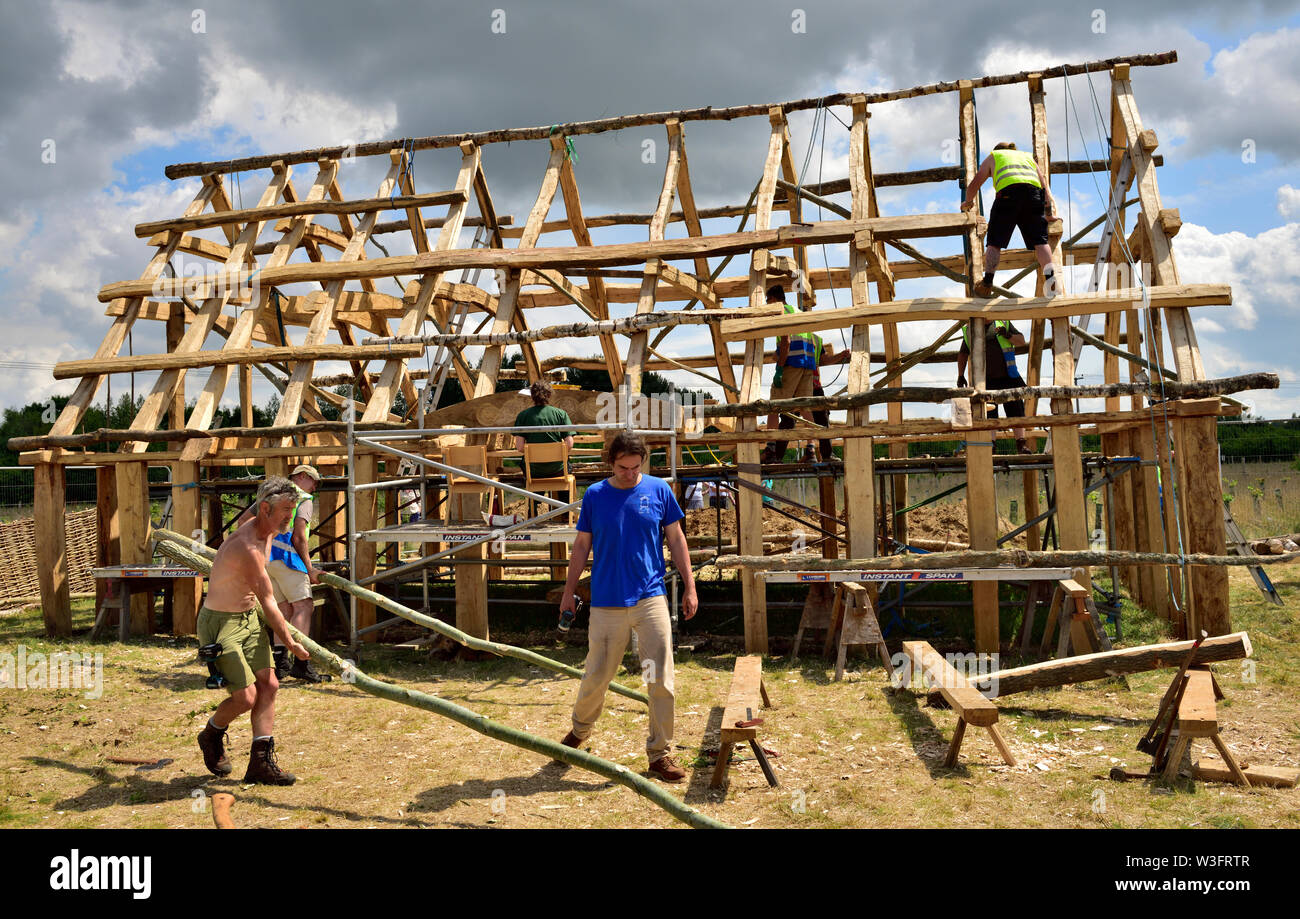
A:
(349, 320)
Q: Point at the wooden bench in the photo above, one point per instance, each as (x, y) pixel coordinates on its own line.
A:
(1198, 717)
(740, 720)
(967, 701)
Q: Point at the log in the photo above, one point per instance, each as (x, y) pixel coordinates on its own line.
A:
(1104, 664)
(573, 259)
(117, 435)
(353, 676)
(706, 113)
(297, 209)
(1272, 776)
(171, 361)
(625, 326)
(1015, 558)
(174, 546)
(927, 308)
(1191, 390)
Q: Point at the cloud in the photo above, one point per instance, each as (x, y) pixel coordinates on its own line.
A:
(1288, 201)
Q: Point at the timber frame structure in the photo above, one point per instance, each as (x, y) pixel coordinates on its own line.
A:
(283, 242)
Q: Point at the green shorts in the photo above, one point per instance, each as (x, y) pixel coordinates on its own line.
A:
(245, 646)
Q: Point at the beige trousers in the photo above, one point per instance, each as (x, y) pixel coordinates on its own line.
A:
(607, 636)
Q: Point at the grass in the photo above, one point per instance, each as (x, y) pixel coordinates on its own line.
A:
(851, 754)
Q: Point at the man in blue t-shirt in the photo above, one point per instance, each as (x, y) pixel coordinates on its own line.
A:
(625, 519)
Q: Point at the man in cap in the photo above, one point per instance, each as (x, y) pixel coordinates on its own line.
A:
(292, 573)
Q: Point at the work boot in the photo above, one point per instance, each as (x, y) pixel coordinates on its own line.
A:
(572, 740)
(1022, 446)
(213, 744)
(303, 670)
(280, 654)
(666, 769)
(983, 290)
(262, 767)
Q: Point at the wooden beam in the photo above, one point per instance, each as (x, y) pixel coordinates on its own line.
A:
(226, 357)
(636, 350)
(1086, 667)
(954, 307)
(750, 503)
(570, 258)
(508, 306)
(262, 214)
(51, 545)
(706, 113)
(691, 215)
(596, 285)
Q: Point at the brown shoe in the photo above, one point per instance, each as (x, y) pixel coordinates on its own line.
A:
(664, 768)
(262, 767)
(1022, 447)
(572, 740)
(213, 744)
(983, 290)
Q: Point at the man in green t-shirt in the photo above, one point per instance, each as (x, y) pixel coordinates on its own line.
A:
(543, 414)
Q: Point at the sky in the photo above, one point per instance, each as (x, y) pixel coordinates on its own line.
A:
(100, 97)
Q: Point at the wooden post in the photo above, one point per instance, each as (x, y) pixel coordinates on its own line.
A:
(366, 516)
(859, 474)
(981, 496)
(185, 519)
(133, 521)
(50, 513)
(331, 527)
(1203, 508)
(108, 538)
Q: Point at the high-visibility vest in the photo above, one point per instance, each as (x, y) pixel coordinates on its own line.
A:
(1008, 349)
(282, 549)
(1012, 166)
(803, 347)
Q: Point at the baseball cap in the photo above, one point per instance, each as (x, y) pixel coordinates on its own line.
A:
(305, 470)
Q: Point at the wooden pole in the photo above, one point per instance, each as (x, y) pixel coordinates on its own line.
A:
(200, 558)
(351, 675)
(707, 113)
(133, 522)
(186, 592)
(108, 538)
(1082, 668)
(52, 548)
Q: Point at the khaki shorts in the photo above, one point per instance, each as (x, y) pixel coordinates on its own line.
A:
(288, 584)
(795, 382)
(245, 646)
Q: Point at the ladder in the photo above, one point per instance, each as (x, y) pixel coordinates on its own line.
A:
(1237, 543)
(442, 358)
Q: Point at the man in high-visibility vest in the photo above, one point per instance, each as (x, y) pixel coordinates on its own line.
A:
(1024, 199)
(796, 370)
(292, 573)
(1000, 372)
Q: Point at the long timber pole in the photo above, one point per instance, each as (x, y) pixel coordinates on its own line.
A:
(170, 542)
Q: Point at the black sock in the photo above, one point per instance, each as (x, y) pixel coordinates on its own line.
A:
(988, 277)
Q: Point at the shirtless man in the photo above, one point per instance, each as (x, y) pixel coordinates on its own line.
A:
(239, 581)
